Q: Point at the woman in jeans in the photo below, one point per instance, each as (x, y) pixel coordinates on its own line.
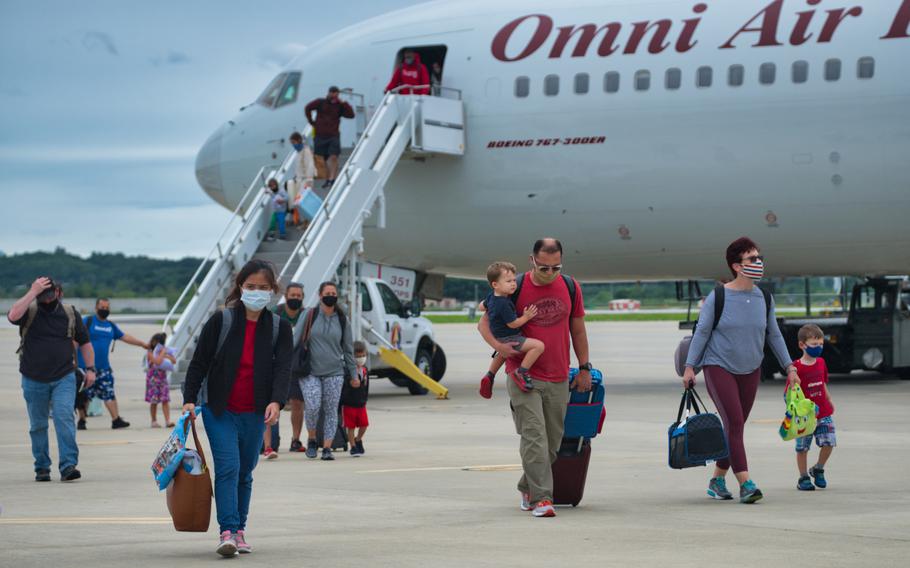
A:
(331, 353)
(247, 386)
(731, 355)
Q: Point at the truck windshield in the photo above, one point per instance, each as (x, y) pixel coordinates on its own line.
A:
(389, 299)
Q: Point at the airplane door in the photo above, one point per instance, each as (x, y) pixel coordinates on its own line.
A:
(431, 56)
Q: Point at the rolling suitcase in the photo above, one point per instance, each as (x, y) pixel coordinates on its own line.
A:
(570, 471)
(584, 420)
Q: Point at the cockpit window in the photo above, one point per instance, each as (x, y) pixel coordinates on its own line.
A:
(289, 90)
(271, 93)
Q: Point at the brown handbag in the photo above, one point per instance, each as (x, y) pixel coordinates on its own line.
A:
(189, 497)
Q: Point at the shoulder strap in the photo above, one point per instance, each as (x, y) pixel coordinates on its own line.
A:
(519, 280)
(343, 320)
(227, 319)
(767, 296)
(719, 293)
(308, 325)
(70, 312)
(29, 319)
(88, 323)
(570, 284)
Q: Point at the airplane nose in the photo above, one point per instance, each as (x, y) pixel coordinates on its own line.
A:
(208, 168)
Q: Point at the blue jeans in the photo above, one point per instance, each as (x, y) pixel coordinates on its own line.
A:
(279, 218)
(235, 440)
(39, 399)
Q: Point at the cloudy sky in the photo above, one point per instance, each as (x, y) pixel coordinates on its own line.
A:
(103, 104)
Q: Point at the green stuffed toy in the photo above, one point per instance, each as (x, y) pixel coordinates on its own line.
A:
(801, 416)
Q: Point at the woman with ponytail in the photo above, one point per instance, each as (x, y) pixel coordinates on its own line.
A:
(246, 383)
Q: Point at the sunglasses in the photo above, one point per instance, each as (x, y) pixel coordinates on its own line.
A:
(546, 268)
(754, 258)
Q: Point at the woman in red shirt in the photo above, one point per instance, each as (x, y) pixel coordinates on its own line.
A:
(246, 384)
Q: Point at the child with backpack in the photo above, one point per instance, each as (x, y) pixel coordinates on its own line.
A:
(813, 379)
(505, 325)
(159, 359)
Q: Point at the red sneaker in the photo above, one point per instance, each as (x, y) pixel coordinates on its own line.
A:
(271, 454)
(522, 380)
(544, 509)
(486, 386)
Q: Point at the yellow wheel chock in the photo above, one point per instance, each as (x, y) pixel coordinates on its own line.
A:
(400, 361)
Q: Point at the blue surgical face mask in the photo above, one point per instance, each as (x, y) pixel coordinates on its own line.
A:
(298, 147)
(256, 300)
(814, 351)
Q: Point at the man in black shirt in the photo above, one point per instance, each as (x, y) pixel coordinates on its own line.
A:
(47, 364)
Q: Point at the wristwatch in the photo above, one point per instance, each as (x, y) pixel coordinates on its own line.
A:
(87, 369)
(586, 367)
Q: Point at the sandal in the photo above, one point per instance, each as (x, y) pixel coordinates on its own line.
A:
(155, 424)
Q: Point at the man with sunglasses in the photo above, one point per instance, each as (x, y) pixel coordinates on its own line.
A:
(540, 413)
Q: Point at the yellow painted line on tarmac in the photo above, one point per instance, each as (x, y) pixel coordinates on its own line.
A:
(85, 521)
(505, 467)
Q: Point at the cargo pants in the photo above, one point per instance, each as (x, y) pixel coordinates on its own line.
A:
(539, 418)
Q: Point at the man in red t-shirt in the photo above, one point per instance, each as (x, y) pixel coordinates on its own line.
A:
(540, 413)
(813, 379)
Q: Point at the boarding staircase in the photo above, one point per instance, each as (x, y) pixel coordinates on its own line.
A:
(333, 241)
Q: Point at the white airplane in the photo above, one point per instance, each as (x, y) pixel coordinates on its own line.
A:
(645, 135)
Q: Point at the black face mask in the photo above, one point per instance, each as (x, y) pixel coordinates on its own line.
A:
(294, 304)
(49, 306)
(103, 314)
(330, 300)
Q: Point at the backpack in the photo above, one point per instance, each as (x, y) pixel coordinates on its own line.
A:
(570, 284)
(300, 360)
(30, 319)
(227, 319)
(682, 350)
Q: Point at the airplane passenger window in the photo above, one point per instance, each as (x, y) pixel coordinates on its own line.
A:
(800, 71)
(611, 82)
(832, 70)
(735, 75)
(642, 80)
(582, 83)
(522, 87)
(673, 79)
(767, 73)
(704, 76)
(270, 94)
(865, 68)
(551, 85)
(289, 90)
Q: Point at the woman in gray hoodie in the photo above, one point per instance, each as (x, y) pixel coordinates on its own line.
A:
(331, 356)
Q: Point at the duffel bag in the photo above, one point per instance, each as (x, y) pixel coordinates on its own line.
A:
(696, 438)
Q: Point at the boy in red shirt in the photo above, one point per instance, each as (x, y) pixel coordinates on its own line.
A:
(813, 379)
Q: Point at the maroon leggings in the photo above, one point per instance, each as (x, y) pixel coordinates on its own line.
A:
(733, 395)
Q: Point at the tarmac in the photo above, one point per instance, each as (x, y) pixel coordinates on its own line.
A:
(437, 484)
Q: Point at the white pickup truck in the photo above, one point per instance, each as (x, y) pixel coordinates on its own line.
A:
(398, 323)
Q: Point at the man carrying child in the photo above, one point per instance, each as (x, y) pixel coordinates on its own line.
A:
(539, 413)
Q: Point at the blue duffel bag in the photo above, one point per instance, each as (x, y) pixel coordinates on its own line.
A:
(584, 417)
(697, 438)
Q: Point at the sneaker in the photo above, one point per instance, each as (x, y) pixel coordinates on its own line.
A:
(523, 380)
(328, 183)
(242, 546)
(227, 546)
(119, 423)
(525, 504)
(486, 386)
(271, 454)
(717, 489)
(804, 483)
(327, 454)
(43, 475)
(70, 474)
(311, 449)
(297, 446)
(156, 425)
(818, 473)
(544, 509)
(80, 425)
(749, 493)
(353, 451)
(359, 444)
